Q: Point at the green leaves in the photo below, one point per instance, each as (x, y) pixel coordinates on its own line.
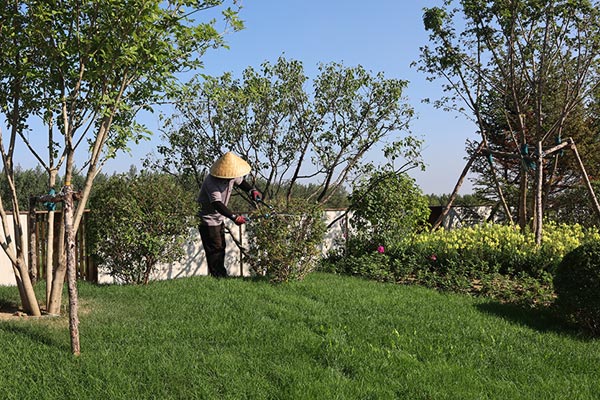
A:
(287, 130)
(433, 19)
(386, 206)
(137, 222)
(100, 58)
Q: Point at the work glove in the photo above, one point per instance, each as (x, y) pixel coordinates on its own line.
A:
(256, 195)
(239, 219)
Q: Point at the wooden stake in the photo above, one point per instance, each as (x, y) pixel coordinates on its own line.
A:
(446, 209)
(538, 194)
(31, 222)
(586, 178)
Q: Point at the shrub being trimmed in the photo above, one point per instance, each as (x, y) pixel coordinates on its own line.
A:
(577, 285)
(286, 245)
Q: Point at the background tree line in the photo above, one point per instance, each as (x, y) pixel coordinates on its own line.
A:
(302, 137)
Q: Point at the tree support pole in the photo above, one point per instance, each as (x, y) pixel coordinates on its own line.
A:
(586, 178)
(32, 227)
(67, 196)
(446, 209)
(538, 195)
(49, 258)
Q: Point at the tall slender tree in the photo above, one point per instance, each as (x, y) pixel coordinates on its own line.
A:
(84, 69)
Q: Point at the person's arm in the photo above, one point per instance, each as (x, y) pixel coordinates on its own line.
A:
(223, 210)
(254, 193)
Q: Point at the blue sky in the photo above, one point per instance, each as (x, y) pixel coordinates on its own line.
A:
(380, 35)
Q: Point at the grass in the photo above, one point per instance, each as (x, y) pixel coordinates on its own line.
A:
(328, 337)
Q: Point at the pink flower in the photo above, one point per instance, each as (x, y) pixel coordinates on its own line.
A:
(433, 257)
(380, 249)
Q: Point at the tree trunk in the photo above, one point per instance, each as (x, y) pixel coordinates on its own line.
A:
(50, 242)
(60, 272)
(32, 227)
(148, 270)
(539, 185)
(71, 271)
(523, 197)
(30, 303)
(49, 257)
(501, 194)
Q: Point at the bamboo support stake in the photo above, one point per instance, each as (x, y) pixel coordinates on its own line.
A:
(586, 178)
(446, 209)
(556, 148)
(241, 255)
(32, 224)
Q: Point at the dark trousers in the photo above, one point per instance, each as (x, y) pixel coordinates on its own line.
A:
(213, 241)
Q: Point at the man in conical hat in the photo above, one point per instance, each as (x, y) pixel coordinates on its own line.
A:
(226, 173)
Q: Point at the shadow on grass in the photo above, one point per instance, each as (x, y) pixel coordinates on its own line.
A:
(8, 306)
(13, 324)
(44, 337)
(542, 319)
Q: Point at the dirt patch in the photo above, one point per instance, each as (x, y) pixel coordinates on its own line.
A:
(8, 312)
(12, 312)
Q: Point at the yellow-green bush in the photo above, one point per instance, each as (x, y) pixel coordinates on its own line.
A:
(502, 248)
(491, 259)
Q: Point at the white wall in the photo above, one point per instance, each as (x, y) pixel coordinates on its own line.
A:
(7, 276)
(194, 262)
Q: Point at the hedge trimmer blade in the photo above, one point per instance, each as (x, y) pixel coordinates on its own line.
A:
(261, 202)
(271, 213)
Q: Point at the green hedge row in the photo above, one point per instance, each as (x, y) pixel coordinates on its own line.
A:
(494, 260)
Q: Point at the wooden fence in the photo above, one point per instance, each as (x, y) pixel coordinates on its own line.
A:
(86, 269)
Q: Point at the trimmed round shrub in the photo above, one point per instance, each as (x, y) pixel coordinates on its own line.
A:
(577, 285)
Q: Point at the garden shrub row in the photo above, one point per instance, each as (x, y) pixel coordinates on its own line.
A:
(495, 260)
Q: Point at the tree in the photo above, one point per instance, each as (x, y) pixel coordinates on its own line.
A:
(522, 70)
(27, 182)
(137, 222)
(84, 69)
(466, 200)
(288, 134)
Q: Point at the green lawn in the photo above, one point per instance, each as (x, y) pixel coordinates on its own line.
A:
(328, 337)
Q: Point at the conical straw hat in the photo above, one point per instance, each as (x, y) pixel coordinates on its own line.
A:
(229, 166)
